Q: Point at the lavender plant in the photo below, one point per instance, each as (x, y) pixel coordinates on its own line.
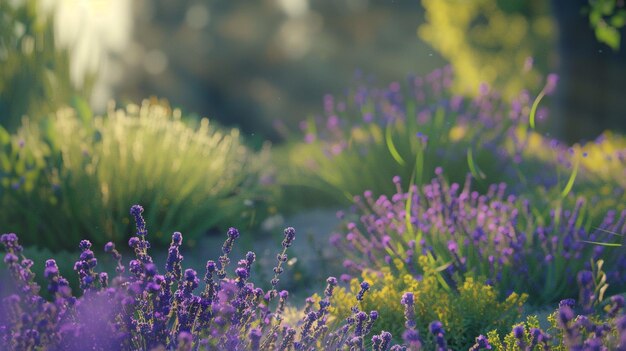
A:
(72, 176)
(428, 315)
(407, 129)
(142, 308)
(491, 234)
(571, 327)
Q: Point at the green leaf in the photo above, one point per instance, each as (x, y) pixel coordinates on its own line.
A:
(476, 172)
(407, 210)
(601, 243)
(607, 6)
(572, 178)
(533, 109)
(391, 147)
(5, 137)
(82, 109)
(619, 19)
(608, 35)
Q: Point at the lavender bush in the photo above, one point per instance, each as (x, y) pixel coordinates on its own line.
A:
(408, 129)
(569, 329)
(141, 309)
(500, 237)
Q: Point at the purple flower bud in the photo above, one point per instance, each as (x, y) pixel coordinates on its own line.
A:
(136, 210)
(10, 258)
(150, 269)
(290, 235)
(108, 247)
(518, 331)
(364, 288)
(133, 242)
(177, 238)
(233, 233)
(242, 273)
(411, 336)
(453, 247)
(407, 299)
(84, 245)
(436, 328)
(190, 275)
(211, 267)
(250, 257)
(86, 255)
(481, 343)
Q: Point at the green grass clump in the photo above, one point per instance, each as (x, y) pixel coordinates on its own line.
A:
(471, 310)
(73, 176)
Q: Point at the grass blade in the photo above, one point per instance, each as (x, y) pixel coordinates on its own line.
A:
(391, 147)
(601, 243)
(572, 178)
(533, 109)
(476, 172)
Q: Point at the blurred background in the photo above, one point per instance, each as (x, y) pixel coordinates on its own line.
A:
(260, 65)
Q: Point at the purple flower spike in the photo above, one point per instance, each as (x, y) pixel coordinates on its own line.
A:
(233, 233)
(364, 288)
(136, 211)
(436, 327)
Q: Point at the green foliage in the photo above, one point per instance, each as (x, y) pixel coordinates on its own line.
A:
(607, 18)
(73, 176)
(601, 324)
(491, 41)
(593, 170)
(410, 142)
(466, 313)
(35, 76)
(583, 332)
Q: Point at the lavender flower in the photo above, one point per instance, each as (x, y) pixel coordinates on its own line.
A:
(493, 234)
(482, 343)
(364, 288)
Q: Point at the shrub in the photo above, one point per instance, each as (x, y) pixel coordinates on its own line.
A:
(607, 18)
(72, 175)
(139, 308)
(493, 235)
(472, 310)
(490, 40)
(406, 129)
(568, 330)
